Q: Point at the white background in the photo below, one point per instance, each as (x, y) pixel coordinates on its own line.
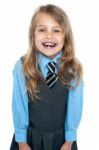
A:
(14, 22)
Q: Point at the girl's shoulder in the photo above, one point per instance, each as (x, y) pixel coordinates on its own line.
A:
(18, 66)
(74, 82)
(77, 87)
(18, 74)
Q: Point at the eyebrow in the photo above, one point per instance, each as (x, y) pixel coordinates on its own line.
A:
(38, 26)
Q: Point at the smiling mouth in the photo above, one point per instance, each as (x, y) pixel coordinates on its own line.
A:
(49, 44)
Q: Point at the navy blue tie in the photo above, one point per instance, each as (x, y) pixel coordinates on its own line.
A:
(51, 76)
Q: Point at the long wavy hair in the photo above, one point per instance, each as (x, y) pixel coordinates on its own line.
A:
(71, 68)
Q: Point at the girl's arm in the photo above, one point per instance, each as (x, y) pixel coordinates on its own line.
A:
(74, 112)
(19, 104)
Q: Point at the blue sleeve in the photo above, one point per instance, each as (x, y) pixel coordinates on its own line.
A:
(74, 112)
(19, 104)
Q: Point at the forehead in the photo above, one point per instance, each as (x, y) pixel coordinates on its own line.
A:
(46, 19)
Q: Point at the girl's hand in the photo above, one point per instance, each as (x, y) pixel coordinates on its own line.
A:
(66, 146)
(24, 146)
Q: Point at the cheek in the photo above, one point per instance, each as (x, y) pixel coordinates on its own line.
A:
(62, 41)
(60, 38)
(38, 38)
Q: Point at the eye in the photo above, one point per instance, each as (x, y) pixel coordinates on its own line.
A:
(41, 30)
(57, 30)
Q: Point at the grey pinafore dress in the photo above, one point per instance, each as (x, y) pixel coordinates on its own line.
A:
(47, 117)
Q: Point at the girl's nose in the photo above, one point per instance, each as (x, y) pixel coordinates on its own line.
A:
(49, 34)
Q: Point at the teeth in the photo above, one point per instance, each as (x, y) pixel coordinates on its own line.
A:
(49, 44)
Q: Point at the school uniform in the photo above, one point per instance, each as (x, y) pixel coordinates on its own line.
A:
(47, 118)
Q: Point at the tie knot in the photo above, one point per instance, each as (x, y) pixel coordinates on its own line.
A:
(51, 67)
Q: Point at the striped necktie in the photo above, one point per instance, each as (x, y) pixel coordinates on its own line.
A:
(51, 76)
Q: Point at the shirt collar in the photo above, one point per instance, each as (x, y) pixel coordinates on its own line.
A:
(43, 60)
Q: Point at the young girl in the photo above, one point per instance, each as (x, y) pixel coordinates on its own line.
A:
(48, 86)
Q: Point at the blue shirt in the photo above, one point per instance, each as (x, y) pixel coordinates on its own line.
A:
(20, 103)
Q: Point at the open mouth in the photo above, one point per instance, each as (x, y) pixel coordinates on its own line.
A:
(49, 44)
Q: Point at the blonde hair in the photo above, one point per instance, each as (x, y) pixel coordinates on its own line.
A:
(70, 69)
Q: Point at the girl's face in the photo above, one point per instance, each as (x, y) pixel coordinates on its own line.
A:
(49, 37)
